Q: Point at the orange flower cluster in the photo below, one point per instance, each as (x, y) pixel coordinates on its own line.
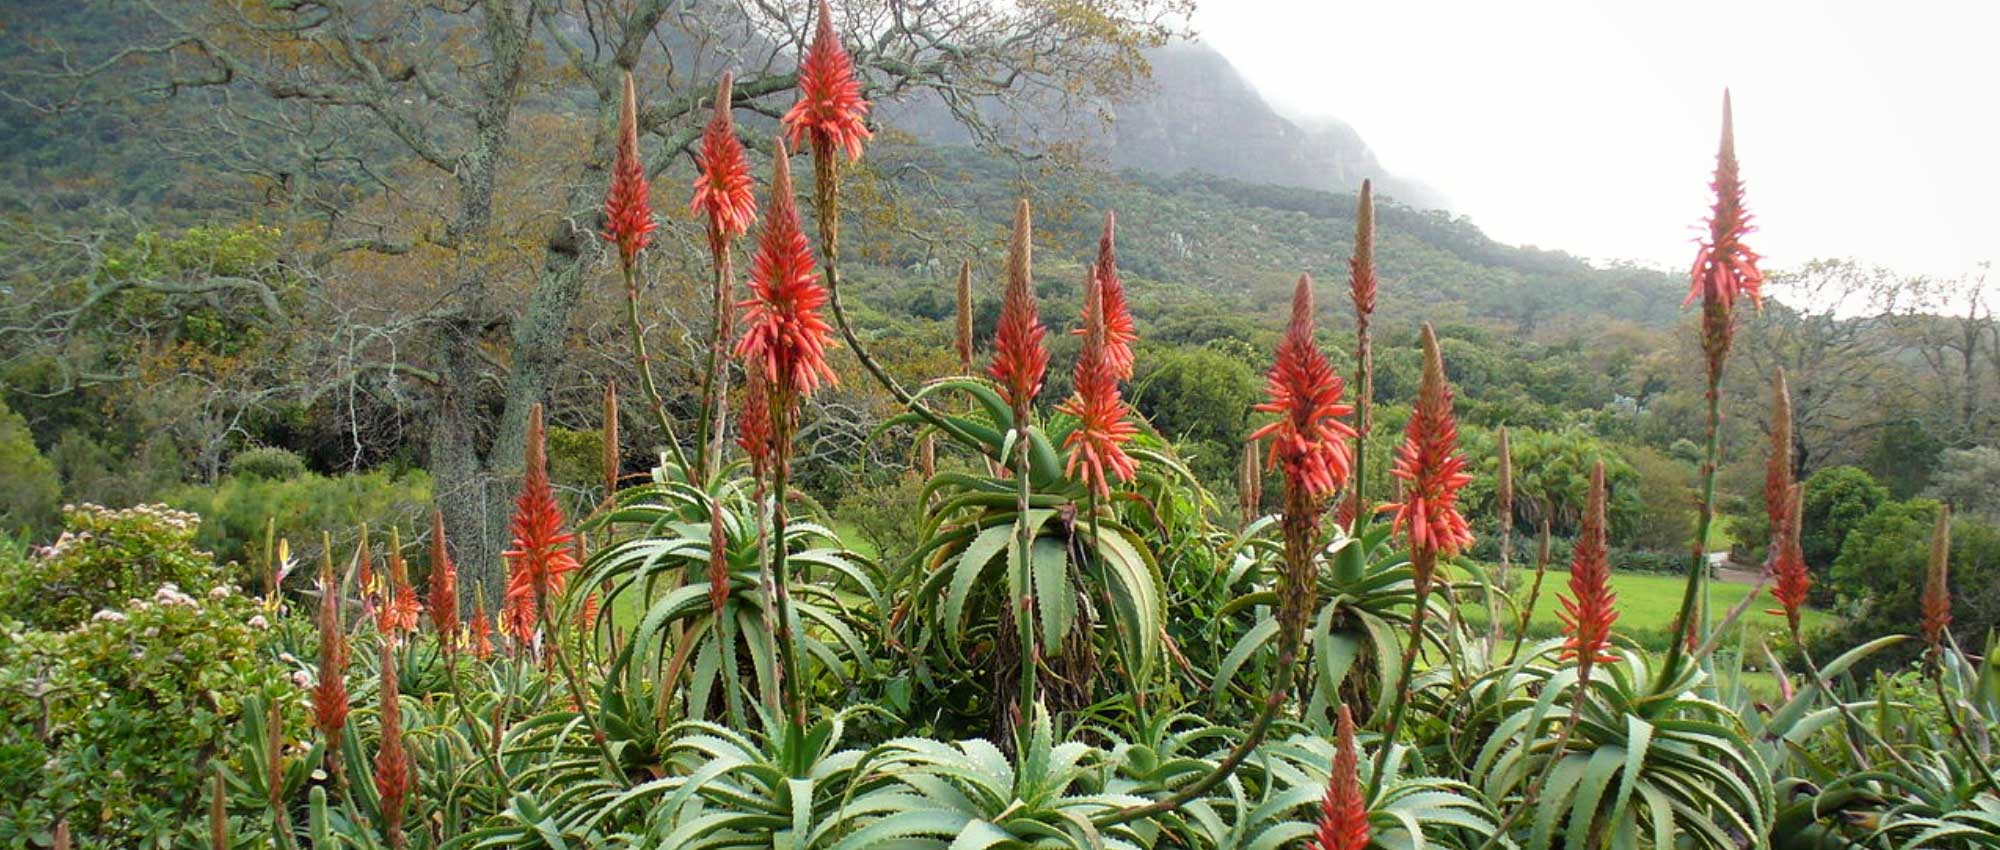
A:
(1309, 440)
(1590, 608)
(443, 596)
(1936, 598)
(785, 335)
(1097, 446)
(628, 210)
(1119, 329)
(723, 190)
(329, 697)
(393, 775)
(830, 110)
(541, 559)
(1725, 268)
(1019, 360)
(1430, 467)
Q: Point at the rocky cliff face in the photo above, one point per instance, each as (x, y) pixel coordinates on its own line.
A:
(1200, 114)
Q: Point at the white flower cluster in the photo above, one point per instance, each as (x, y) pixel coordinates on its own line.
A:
(169, 594)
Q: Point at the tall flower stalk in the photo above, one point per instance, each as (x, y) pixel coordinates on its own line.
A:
(443, 595)
(393, 779)
(629, 224)
(785, 339)
(1361, 287)
(329, 696)
(541, 559)
(1724, 270)
(1309, 444)
(1503, 508)
(725, 198)
(1431, 472)
(1019, 363)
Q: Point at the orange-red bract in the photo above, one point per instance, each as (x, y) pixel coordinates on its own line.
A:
(541, 558)
(393, 778)
(443, 597)
(830, 110)
(329, 696)
(1590, 608)
(724, 193)
(1936, 598)
(1097, 445)
(628, 210)
(1343, 813)
(784, 334)
(1019, 360)
(1725, 268)
(1309, 440)
(1429, 466)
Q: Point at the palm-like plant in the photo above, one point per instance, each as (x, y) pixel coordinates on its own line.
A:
(1648, 760)
(690, 634)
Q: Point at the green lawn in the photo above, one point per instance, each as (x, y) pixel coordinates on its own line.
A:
(1647, 605)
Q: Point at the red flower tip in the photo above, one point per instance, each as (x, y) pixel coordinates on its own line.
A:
(541, 560)
(329, 697)
(392, 764)
(1429, 466)
(1361, 266)
(480, 631)
(724, 191)
(1590, 608)
(1119, 329)
(830, 110)
(1019, 360)
(1725, 268)
(718, 559)
(443, 596)
(399, 611)
(1937, 583)
(1788, 564)
(784, 334)
(1308, 439)
(753, 428)
(1097, 446)
(1343, 814)
(628, 211)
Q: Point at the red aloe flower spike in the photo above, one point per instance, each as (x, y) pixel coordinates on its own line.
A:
(718, 559)
(1308, 439)
(1097, 446)
(1778, 466)
(1937, 584)
(540, 559)
(1019, 360)
(965, 315)
(392, 765)
(753, 429)
(444, 587)
(1361, 266)
(724, 191)
(1725, 268)
(1590, 608)
(830, 110)
(628, 211)
(480, 632)
(1788, 564)
(784, 334)
(329, 696)
(1429, 466)
(1119, 329)
(1343, 814)
(587, 618)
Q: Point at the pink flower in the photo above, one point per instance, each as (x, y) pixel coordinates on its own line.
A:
(628, 211)
(784, 335)
(830, 109)
(1308, 439)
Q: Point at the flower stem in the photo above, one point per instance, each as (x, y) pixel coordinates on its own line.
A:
(1410, 654)
(793, 684)
(715, 377)
(1693, 618)
(653, 397)
(1024, 614)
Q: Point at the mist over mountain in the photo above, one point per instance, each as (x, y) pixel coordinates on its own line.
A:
(1197, 114)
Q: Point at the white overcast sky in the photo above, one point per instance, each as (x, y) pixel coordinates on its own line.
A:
(1865, 129)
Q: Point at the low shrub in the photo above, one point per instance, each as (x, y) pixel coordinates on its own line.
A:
(103, 558)
(235, 510)
(269, 462)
